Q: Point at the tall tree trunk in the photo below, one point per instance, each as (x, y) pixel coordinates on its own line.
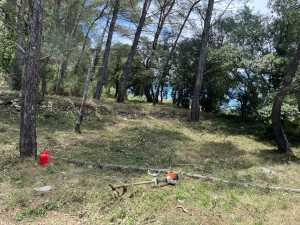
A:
(88, 79)
(174, 97)
(117, 88)
(147, 87)
(17, 70)
(127, 66)
(86, 88)
(166, 66)
(204, 38)
(86, 39)
(100, 44)
(28, 146)
(161, 93)
(180, 94)
(282, 142)
(60, 73)
(103, 69)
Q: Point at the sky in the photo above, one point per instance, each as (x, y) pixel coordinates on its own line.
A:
(260, 5)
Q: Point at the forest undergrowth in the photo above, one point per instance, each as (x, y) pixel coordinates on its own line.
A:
(223, 146)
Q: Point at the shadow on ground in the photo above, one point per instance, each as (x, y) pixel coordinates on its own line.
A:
(129, 145)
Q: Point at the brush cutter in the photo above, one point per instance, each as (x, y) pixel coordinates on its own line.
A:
(125, 190)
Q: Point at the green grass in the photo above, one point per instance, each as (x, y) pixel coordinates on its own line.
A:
(228, 147)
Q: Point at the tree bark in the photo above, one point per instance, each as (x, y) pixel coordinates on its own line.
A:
(101, 44)
(17, 71)
(60, 73)
(282, 142)
(204, 39)
(88, 79)
(103, 69)
(28, 146)
(162, 18)
(166, 66)
(161, 93)
(127, 66)
(117, 88)
(86, 88)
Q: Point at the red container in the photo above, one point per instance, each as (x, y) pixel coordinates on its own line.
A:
(44, 158)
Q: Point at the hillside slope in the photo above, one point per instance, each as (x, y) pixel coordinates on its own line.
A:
(227, 147)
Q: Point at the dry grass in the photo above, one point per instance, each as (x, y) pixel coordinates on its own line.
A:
(237, 149)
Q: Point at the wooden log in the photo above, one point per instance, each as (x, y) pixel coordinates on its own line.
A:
(112, 166)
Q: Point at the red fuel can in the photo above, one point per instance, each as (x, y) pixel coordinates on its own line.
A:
(44, 158)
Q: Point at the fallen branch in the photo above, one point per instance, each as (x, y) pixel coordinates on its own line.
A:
(111, 166)
(183, 209)
(195, 176)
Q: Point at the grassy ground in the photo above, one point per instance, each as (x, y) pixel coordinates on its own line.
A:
(227, 147)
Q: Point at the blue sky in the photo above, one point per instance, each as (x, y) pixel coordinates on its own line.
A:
(260, 5)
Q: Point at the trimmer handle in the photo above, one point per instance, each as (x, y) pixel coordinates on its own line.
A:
(161, 180)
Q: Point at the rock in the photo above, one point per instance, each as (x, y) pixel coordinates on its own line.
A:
(160, 218)
(180, 201)
(150, 117)
(45, 188)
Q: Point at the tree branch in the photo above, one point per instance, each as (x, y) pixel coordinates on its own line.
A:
(222, 13)
(20, 48)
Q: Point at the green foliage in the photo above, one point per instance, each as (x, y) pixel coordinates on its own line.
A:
(285, 26)
(289, 110)
(7, 53)
(133, 98)
(184, 71)
(117, 59)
